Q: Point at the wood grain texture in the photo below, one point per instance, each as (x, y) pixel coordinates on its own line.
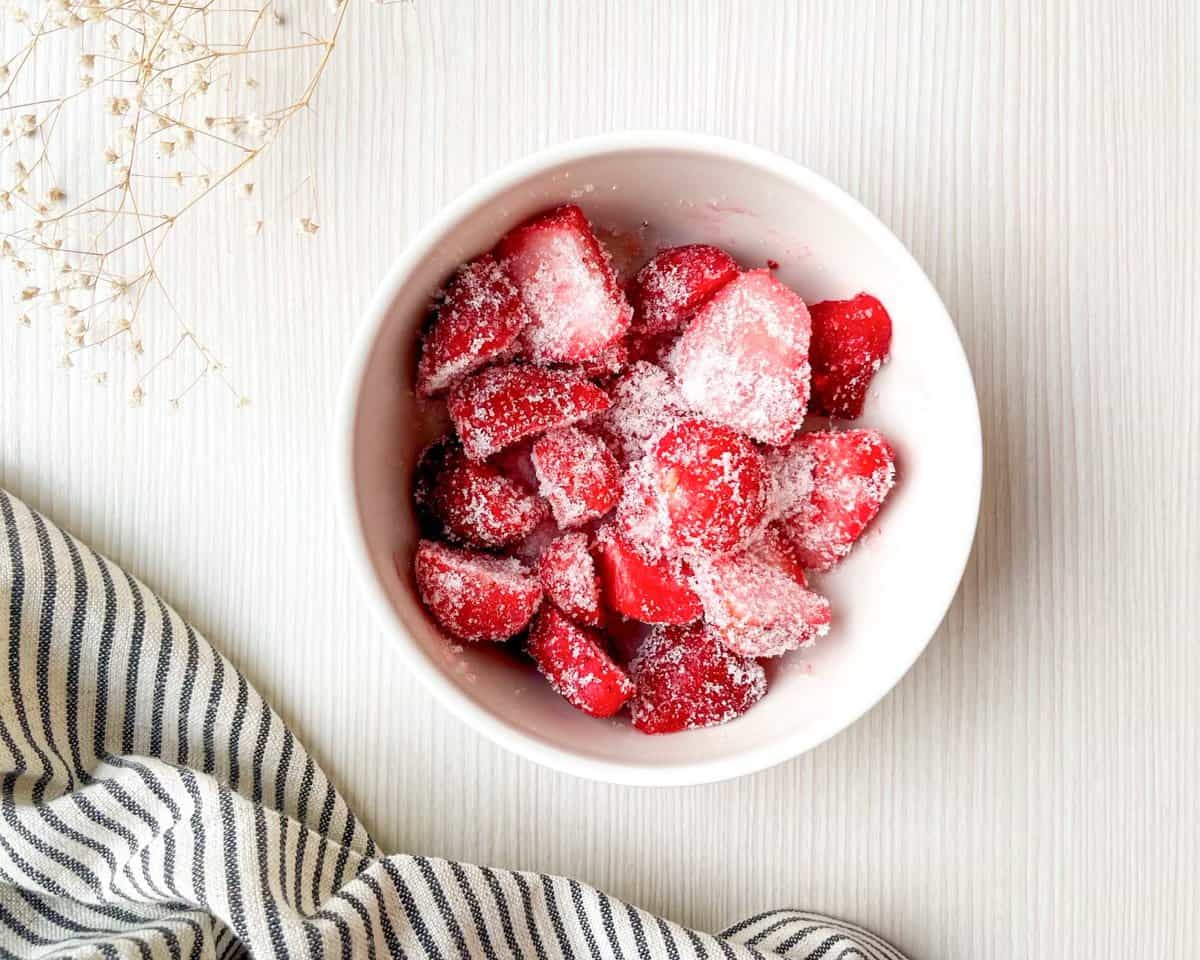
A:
(1029, 789)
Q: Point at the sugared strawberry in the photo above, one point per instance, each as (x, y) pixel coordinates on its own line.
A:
(479, 504)
(568, 287)
(669, 288)
(850, 341)
(649, 591)
(712, 482)
(498, 406)
(743, 359)
(568, 575)
(685, 679)
(757, 602)
(572, 658)
(475, 596)
(577, 474)
(478, 321)
(852, 472)
(645, 403)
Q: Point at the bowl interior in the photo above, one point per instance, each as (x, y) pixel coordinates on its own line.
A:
(888, 597)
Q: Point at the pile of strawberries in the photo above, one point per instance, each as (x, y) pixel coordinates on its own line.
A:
(626, 486)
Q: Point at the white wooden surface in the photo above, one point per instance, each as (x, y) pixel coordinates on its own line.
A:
(1030, 788)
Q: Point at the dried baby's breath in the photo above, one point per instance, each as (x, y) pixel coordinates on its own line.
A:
(176, 90)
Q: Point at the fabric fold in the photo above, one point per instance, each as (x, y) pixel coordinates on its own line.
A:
(152, 804)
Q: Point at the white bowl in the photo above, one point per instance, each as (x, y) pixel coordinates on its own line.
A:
(888, 597)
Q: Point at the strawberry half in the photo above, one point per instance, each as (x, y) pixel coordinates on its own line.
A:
(674, 282)
(479, 504)
(852, 473)
(686, 679)
(478, 321)
(573, 660)
(577, 474)
(743, 359)
(568, 575)
(567, 285)
(850, 341)
(475, 596)
(498, 406)
(649, 591)
(757, 601)
(713, 483)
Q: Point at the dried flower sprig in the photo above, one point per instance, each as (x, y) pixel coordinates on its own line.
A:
(175, 87)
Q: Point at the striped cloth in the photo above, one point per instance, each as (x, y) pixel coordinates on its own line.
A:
(153, 805)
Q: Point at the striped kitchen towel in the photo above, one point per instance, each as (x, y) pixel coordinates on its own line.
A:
(153, 805)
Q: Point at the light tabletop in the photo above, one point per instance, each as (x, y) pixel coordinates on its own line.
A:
(1029, 789)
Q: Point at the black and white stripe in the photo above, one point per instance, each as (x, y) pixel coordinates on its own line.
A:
(153, 805)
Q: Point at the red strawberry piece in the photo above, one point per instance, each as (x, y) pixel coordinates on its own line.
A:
(479, 504)
(475, 596)
(686, 679)
(498, 406)
(645, 403)
(743, 359)
(669, 288)
(568, 575)
(850, 341)
(577, 474)
(568, 287)
(713, 484)
(649, 591)
(757, 601)
(478, 322)
(852, 473)
(573, 660)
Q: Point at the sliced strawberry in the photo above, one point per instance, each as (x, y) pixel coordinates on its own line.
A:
(852, 473)
(568, 575)
(757, 601)
(713, 483)
(475, 596)
(573, 660)
(478, 321)
(479, 504)
(498, 406)
(743, 359)
(669, 288)
(645, 404)
(685, 679)
(577, 474)
(568, 287)
(850, 341)
(649, 591)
